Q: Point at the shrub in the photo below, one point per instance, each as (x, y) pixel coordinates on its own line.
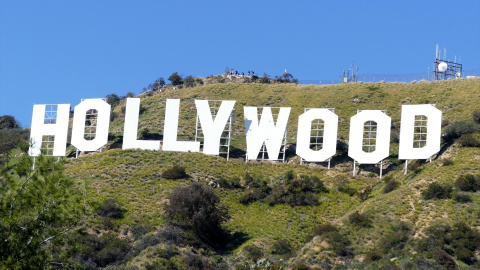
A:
(465, 241)
(197, 262)
(189, 81)
(281, 247)
(463, 197)
(363, 195)
(437, 191)
(253, 252)
(390, 186)
(300, 266)
(175, 172)
(171, 235)
(339, 243)
(458, 128)
(140, 228)
(198, 81)
(257, 189)
(460, 240)
(476, 116)
(324, 229)
(257, 192)
(301, 199)
(468, 140)
(94, 252)
(442, 258)
(342, 185)
(396, 239)
(373, 255)
(197, 208)
(468, 182)
(446, 161)
(111, 208)
(359, 219)
(234, 183)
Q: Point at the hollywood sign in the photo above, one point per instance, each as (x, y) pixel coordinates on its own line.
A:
(261, 132)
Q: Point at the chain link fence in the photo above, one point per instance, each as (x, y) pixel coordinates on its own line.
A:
(389, 78)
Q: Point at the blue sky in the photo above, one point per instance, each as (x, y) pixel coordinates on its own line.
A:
(62, 51)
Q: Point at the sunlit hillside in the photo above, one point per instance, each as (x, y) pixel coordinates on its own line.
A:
(353, 222)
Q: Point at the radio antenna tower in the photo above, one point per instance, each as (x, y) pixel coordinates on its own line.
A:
(445, 69)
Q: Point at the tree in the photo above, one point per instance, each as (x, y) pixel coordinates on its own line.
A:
(8, 122)
(113, 99)
(189, 81)
(197, 208)
(157, 84)
(36, 207)
(10, 139)
(175, 79)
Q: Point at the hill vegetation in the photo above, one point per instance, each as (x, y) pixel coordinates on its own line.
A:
(268, 215)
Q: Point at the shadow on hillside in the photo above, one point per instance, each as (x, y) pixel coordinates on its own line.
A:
(233, 241)
(152, 136)
(237, 153)
(444, 148)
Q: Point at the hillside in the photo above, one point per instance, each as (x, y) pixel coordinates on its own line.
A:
(379, 228)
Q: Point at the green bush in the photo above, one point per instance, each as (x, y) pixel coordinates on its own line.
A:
(334, 238)
(444, 259)
(339, 243)
(111, 208)
(189, 81)
(360, 219)
(396, 239)
(446, 161)
(347, 190)
(93, 252)
(363, 195)
(296, 191)
(437, 191)
(463, 197)
(476, 116)
(281, 247)
(468, 182)
(257, 190)
(175, 172)
(390, 186)
(253, 252)
(459, 240)
(469, 140)
(459, 128)
(324, 229)
(373, 255)
(195, 261)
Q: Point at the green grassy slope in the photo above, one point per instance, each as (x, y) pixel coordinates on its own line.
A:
(134, 177)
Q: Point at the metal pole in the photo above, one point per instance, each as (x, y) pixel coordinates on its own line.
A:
(381, 169)
(354, 168)
(406, 166)
(329, 164)
(229, 136)
(33, 163)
